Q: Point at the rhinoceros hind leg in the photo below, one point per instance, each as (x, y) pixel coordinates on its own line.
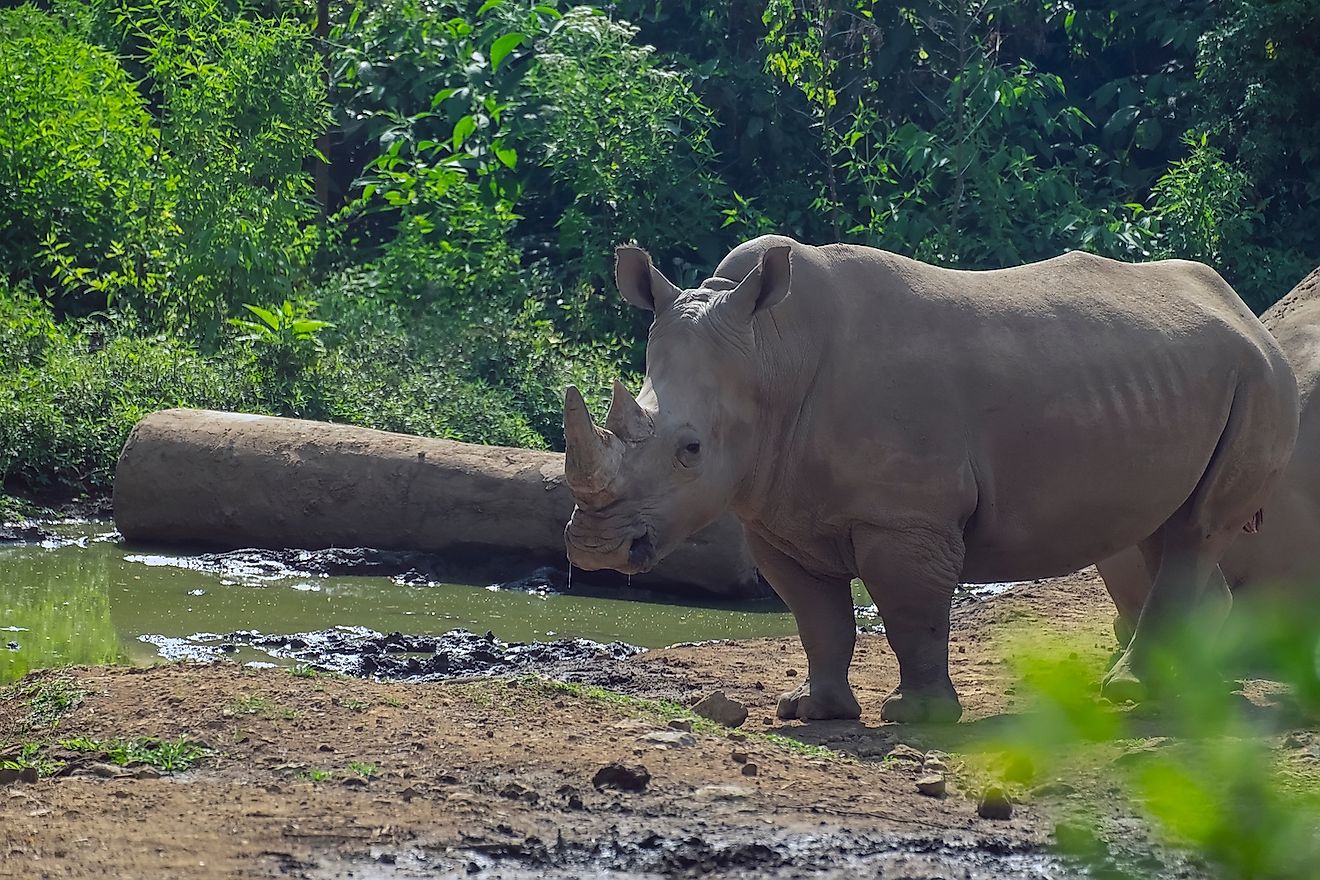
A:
(911, 575)
(823, 608)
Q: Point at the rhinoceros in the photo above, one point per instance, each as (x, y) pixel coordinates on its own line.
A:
(1283, 557)
(867, 415)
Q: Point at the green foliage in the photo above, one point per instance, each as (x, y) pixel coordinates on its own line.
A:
(75, 140)
(1218, 785)
(167, 756)
(286, 351)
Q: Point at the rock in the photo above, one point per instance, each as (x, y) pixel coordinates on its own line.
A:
(146, 773)
(106, 771)
(572, 797)
(353, 782)
(28, 775)
(1057, 788)
(8, 776)
(722, 793)
(750, 769)
(932, 785)
(622, 777)
(739, 757)
(791, 673)
(905, 754)
(994, 804)
(719, 708)
(669, 739)
(680, 724)
(516, 792)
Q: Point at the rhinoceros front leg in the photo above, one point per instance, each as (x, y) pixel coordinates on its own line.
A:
(823, 609)
(911, 575)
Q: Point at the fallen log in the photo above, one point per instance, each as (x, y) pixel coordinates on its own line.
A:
(493, 514)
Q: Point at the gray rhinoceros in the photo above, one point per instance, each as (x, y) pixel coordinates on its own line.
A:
(1284, 556)
(917, 427)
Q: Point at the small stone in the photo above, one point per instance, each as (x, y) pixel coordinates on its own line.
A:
(353, 782)
(936, 766)
(107, 771)
(682, 724)
(387, 858)
(622, 777)
(932, 785)
(750, 769)
(739, 757)
(147, 773)
(28, 775)
(1057, 788)
(572, 797)
(720, 709)
(325, 747)
(722, 793)
(905, 754)
(791, 673)
(409, 793)
(8, 776)
(516, 792)
(994, 804)
(669, 739)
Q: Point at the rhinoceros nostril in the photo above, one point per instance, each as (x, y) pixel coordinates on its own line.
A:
(640, 552)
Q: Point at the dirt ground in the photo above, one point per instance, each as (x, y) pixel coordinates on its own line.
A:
(330, 777)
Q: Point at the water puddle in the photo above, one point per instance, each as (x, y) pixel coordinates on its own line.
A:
(71, 592)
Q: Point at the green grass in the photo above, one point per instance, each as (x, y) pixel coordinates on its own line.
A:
(30, 756)
(664, 710)
(362, 769)
(48, 700)
(167, 756)
(316, 775)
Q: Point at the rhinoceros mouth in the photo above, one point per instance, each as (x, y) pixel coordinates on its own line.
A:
(642, 555)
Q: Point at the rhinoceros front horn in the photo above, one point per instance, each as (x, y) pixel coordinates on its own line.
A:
(627, 420)
(591, 456)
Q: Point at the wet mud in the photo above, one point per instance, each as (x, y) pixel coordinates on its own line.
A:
(364, 653)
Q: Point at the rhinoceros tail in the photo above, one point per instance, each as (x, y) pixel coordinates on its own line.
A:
(1253, 525)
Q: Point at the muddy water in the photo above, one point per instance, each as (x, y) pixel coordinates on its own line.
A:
(87, 598)
(84, 597)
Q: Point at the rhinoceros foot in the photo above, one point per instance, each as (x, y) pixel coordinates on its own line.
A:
(935, 706)
(1122, 685)
(818, 703)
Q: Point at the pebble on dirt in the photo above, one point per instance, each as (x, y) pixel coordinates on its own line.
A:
(932, 785)
(622, 777)
(994, 804)
(719, 708)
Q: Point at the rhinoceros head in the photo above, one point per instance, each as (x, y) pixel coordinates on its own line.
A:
(670, 461)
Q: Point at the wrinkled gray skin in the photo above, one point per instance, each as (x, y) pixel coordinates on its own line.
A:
(1283, 557)
(917, 427)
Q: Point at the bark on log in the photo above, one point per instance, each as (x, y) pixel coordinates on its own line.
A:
(230, 480)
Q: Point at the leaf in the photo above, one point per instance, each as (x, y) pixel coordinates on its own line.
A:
(508, 156)
(463, 129)
(309, 325)
(488, 6)
(503, 46)
(1148, 134)
(1122, 118)
(271, 319)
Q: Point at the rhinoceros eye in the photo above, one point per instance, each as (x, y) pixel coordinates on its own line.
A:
(688, 453)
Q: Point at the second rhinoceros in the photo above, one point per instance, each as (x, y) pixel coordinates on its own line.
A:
(867, 415)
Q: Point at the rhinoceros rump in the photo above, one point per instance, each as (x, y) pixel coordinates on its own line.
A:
(493, 514)
(916, 426)
(1284, 555)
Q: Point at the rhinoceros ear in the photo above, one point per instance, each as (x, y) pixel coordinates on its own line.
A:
(766, 286)
(640, 282)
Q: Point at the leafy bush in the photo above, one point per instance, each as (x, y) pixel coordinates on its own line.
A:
(64, 421)
(75, 139)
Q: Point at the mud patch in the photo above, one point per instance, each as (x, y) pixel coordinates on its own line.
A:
(732, 853)
(365, 653)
